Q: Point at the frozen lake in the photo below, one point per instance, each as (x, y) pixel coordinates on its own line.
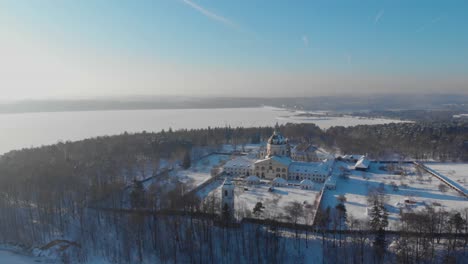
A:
(35, 129)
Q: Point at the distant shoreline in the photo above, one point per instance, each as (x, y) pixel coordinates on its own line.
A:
(338, 103)
(138, 109)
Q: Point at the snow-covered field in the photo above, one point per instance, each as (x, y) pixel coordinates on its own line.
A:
(246, 196)
(457, 172)
(15, 257)
(422, 189)
(201, 170)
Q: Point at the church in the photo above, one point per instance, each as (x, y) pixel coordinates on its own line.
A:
(276, 162)
(277, 159)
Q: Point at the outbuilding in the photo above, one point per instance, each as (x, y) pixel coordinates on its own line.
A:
(362, 164)
(252, 180)
(307, 184)
(279, 182)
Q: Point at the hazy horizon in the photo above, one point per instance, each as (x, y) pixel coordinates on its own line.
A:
(88, 49)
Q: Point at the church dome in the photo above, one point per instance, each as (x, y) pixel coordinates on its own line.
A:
(277, 139)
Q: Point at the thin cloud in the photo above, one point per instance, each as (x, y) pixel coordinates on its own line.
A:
(430, 23)
(211, 15)
(379, 16)
(305, 40)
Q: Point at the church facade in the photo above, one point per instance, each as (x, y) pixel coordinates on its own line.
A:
(275, 163)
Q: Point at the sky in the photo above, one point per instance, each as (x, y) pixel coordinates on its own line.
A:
(116, 48)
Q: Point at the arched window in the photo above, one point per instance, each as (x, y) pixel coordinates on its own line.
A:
(225, 193)
(283, 170)
(278, 169)
(263, 168)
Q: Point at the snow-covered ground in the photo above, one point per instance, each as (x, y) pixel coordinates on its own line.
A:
(247, 196)
(10, 256)
(201, 170)
(422, 189)
(456, 172)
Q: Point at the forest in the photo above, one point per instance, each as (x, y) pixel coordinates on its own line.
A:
(50, 192)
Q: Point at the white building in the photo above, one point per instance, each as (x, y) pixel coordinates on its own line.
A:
(239, 166)
(362, 164)
(252, 180)
(278, 164)
(279, 182)
(314, 171)
(351, 158)
(227, 198)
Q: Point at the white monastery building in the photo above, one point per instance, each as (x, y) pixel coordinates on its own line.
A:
(240, 166)
(315, 171)
(277, 163)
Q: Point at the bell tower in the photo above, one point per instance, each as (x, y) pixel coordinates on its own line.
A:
(227, 200)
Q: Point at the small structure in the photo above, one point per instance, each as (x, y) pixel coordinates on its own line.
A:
(362, 164)
(307, 184)
(330, 184)
(279, 182)
(227, 199)
(350, 158)
(409, 201)
(252, 180)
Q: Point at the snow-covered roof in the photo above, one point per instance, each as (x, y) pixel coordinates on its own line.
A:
(309, 167)
(330, 182)
(307, 182)
(304, 147)
(228, 184)
(283, 160)
(240, 162)
(362, 163)
(279, 180)
(352, 157)
(253, 178)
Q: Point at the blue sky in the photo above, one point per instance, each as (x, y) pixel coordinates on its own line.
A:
(358, 45)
